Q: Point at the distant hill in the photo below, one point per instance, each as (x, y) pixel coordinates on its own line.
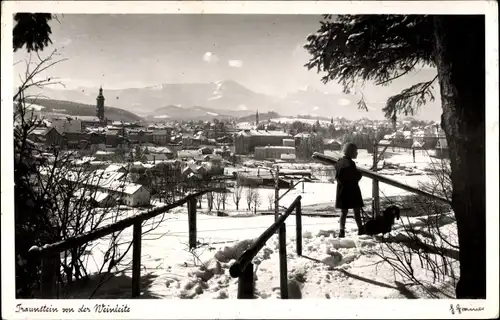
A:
(174, 112)
(220, 95)
(228, 98)
(61, 107)
(262, 117)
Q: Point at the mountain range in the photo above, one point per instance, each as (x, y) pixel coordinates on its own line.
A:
(221, 99)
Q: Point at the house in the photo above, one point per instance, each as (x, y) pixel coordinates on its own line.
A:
(104, 155)
(67, 124)
(206, 150)
(273, 152)
(162, 152)
(97, 198)
(289, 142)
(116, 168)
(131, 194)
(331, 144)
(89, 121)
(301, 136)
(160, 136)
(246, 140)
(96, 138)
(112, 138)
(48, 136)
(140, 136)
(187, 154)
(191, 141)
(442, 145)
(157, 157)
(288, 157)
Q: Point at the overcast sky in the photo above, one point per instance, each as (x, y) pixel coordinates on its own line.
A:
(263, 52)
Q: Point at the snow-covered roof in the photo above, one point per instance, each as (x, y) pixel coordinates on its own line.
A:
(114, 167)
(302, 135)
(384, 142)
(263, 133)
(40, 131)
(127, 188)
(83, 160)
(284, 148)
(88, 118)
(285, 156)
(159, 150)
(417, 144)
(104, 153)
(97, 196)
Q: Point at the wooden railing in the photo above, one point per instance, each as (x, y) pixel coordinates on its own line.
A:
(332, 160)
(50, 254)
(243, 267)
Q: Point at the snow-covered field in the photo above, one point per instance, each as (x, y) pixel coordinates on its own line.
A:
(328, 268)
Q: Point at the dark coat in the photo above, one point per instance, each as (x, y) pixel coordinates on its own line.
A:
(348, 191)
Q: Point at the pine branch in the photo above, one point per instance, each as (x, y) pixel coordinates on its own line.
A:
(409, 100)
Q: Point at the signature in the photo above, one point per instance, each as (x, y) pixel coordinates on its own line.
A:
(458, 309)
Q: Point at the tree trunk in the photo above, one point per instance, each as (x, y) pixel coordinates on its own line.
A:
(460, 61)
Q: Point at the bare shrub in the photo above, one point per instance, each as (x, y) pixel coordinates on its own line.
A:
(55, 199)
(237, 193)
(424, 241)
(249, 196)
(256, 200)
(270, 199)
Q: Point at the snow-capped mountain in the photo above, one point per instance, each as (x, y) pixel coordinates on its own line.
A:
(220, 99)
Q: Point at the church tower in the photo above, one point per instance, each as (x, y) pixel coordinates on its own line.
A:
(257, 118)
(100, 105)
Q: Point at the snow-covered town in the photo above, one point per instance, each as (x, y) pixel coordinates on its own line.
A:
(180, 185)
(120, 175)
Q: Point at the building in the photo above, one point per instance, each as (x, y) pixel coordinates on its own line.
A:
(112, 138)
(131, 194)
(48, 136)
(75, 140)
(97, 198)
(289, 142)
(191, 141)
(274, 152)
(140, 136)
(104, 155)
(331, 144)
(246, 140)
(100, 106)
(67, 124)
(89, 121)
(442, 150)
(161, 136)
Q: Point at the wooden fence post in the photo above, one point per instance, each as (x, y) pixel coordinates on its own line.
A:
(192, 222)
(49, 277)
(246, 283)
(375, 185)
(298, 219)
(277, 193)
(283, 262)
(136, 260)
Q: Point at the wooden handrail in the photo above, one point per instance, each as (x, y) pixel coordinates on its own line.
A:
(239, 266)
(81, 239)
(372, 175)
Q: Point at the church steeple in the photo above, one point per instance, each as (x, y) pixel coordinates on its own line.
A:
(100, 105)
(257, 118)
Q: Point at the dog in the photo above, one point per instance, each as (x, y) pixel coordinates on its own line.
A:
(382, 224)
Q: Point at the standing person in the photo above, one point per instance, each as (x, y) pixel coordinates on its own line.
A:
(348, 191)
